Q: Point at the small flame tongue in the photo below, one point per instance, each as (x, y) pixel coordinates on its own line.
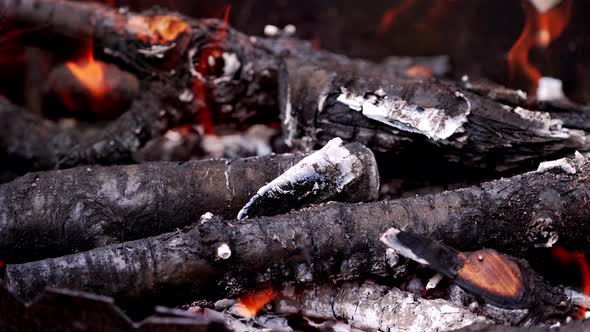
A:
(540, 29)
(157, 29)
(90, 73)
(250, 304)
(579, 259)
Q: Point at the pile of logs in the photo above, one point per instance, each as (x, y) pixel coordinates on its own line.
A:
(81, 213)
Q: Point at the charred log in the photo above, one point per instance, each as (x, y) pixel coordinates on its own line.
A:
(369, 306)
(499, 280)
(333, 241)
(29, 142)
(389, 113)
(62, 212)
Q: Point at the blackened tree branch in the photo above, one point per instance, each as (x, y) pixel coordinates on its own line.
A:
(333, 241)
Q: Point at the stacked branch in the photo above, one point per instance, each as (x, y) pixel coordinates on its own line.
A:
(333, 241)
(357, 100)
(395, 115)
(50, 214)
(368, 306)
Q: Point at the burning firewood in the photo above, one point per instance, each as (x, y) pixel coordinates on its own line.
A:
(102, 98)
(500, 280)
(326, 174)
(336, 241)
(29, 142)
(213, 67)
(368, 306)
(389, 113)
(95, 206)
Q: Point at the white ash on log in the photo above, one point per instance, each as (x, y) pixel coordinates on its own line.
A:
(241, 83)
(500, 280)
(331, 173)
(394, 114)
(333, 241)
(369, 306)
(55, 213)
(572, 115)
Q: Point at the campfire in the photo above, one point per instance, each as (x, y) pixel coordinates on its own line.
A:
(182, 167)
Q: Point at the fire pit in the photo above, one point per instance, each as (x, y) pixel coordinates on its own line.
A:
(165, 172)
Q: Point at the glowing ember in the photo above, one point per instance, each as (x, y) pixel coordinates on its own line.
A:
(390, 15)
(419, 71)
(579, 259)
(90, 73)
(250, 304)
(207, 66)
(157, 29)
(540, 30)
(1, 264)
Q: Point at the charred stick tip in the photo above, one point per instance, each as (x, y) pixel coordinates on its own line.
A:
(326, 174)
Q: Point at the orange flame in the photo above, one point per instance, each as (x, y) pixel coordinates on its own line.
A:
(390, 15)
(205, 116)
(579, 259)
(90, 73)
(419, 71)
(250, 304)
(539, 30)
(157, 29)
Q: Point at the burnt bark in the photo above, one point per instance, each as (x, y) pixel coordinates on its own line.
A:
(369, 306)
(55, 213)
(395, 114)
(29, 143)
(333, 241)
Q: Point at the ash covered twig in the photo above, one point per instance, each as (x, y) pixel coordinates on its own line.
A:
(55, 213)
(502, 281)
(369, 306)
(336, 172)
(334, 241)
(395, 114)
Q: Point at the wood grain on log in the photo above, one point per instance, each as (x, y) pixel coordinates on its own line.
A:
(55, 213)
(333, 241)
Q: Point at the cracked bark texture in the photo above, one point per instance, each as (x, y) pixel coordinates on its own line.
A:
(369, 306)
(329, 242)
(392, 114)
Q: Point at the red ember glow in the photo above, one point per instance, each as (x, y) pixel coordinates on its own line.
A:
(250, 304)
(540, 30)
(391, 15)
(90, 73)
(1, 264)
(157, 29)
(579, 259)
(208, 58)
(419, 71)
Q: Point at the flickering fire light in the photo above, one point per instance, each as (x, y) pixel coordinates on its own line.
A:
(90, 73)
(578, 258)
(250, 304)
(540, 30)
(391, 15)
(157, 29)
(205, 66)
